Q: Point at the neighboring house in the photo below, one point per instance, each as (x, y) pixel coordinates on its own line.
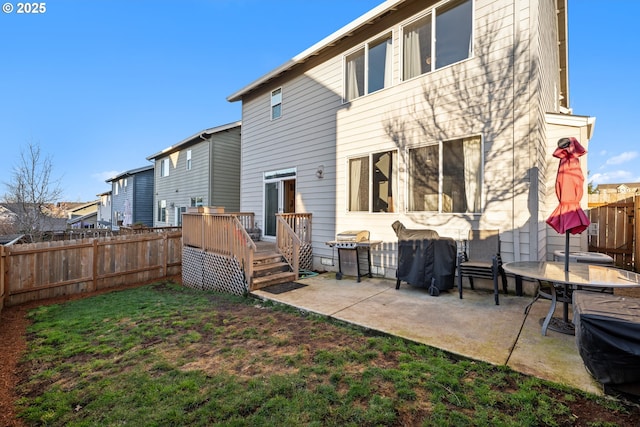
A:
(89, 220)
(132, 197)
(202, 170)
(104, 210)
(28, 220)
(443, 115)
(83, 216)
(628, 188)
(610, 193)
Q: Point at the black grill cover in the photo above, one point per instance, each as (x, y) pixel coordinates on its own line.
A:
(423, 255)
(608, 338)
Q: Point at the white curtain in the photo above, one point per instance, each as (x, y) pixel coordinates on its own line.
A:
(412, 64)
(355, 166)
(472, 156)
(388, 64)
(353, 90)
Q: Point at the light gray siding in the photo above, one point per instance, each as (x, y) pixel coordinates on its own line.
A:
(225, 170)
(501, 93)
(214, 174)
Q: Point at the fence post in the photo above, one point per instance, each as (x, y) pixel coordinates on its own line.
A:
(2, 277)
(165, 261)
(95, 265)
(636, 225)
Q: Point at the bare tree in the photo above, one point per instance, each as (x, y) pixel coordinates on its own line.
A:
(31, 190)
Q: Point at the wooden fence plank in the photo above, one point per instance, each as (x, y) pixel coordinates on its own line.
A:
(44, 270)
(617, 231)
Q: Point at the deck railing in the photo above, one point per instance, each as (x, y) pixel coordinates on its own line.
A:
(226, 234)
(222, 233)
(293, 232)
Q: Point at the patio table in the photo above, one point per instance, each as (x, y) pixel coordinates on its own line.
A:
(579, 276)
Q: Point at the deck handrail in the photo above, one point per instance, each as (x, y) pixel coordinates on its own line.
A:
(222, 233)
(293, 231)
(288, 244)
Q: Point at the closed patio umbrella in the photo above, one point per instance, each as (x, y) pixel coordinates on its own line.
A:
(568, 217)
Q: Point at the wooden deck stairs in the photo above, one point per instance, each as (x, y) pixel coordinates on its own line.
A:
(269, 268)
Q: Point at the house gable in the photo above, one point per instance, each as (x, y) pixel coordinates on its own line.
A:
(203, 170)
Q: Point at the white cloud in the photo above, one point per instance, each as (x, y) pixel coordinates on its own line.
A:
(622, 158)
(614, 177)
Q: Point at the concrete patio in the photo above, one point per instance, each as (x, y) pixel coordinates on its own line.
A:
(473, 327)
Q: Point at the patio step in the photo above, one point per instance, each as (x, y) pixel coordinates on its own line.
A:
(272, 279)
(270, 269)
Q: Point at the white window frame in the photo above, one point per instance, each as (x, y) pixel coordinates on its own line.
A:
(371, 181)
(365, 48)
(444, 205)
(197, 201)
(276, 101)
(189, 160)
(164, 167)
(162, 211)
(433, 13)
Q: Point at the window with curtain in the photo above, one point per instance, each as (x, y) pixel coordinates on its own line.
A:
(446, 177)
(422, 53)
(359, 184)
(373, 182)
(416, 48)
(368, 69)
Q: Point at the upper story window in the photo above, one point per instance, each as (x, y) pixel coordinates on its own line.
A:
(425, 50)
(197, 201)
(446, 177)
(164, 167)
(188, 160)
(276, 103)
(368, 69)
(380, 184)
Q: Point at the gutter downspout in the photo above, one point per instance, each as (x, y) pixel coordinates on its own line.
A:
(516, 231)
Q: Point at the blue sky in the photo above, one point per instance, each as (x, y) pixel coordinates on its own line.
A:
(102, 84)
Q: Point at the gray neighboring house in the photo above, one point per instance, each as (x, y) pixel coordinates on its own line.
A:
(132, 197)
(201, 170)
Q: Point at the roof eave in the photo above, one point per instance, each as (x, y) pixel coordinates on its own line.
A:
(203, 134)
(330, 40)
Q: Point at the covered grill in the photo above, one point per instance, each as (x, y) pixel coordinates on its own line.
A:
(354, 253)
(425, 259)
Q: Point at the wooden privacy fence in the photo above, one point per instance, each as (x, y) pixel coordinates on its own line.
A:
(45, 270)
(615, 231)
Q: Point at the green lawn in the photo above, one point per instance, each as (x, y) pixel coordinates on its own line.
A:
(164, 355)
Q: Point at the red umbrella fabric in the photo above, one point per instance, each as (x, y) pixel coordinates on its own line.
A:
(569, 216)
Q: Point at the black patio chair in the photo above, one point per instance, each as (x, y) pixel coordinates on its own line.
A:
(480, 258)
